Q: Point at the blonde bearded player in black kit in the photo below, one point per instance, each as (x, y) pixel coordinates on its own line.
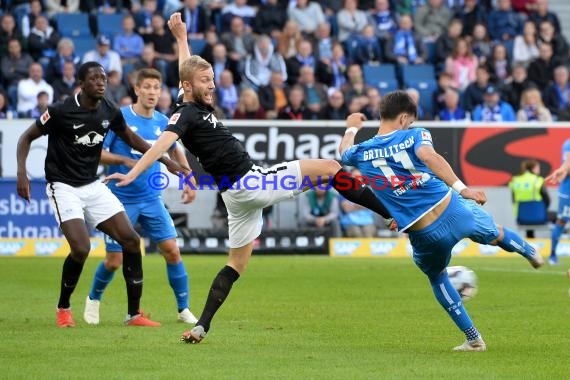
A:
(76, 128)
(225, 158)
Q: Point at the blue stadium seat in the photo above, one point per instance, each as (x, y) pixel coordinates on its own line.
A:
(83, 45)
(73, 24)
(381, 76)
(110, 24)
(417, 73)
(197, 45)
(426, 89)
(532, 212)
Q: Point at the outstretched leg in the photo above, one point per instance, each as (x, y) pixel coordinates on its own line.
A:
(219, 291)
(510, 241)
(321, 171)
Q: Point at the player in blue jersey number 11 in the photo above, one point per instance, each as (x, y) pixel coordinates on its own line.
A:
(431, 205)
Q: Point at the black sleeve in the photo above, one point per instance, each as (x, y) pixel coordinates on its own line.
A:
(182, 121)
(47, 122)
(118, 123)
(545, 196)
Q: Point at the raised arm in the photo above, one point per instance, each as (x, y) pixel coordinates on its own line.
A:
(23, 149)
(441, 168)
(354, 123)
(178, 29)
(156, 151)
(138, 143)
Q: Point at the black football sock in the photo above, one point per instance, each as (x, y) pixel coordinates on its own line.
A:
(133, 273)
(356, 192)
(219, 290)
(69, 277)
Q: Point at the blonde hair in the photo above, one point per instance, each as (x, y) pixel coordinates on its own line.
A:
(532, 90)
(243, 106)
(193, 64)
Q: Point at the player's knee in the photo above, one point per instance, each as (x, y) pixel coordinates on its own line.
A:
(332, 167)
(172, 256)
(113, 261)
(131, 242)
(80, 251)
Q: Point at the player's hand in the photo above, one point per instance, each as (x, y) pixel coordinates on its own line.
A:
(355, 120)
(476, 195)
(177, 27)
(557, 176)
(189, 193)
(23, 186)
(122, 179)
(174, 167)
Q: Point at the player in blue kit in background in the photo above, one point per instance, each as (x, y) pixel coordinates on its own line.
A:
(143, 203)
(419, 197)
(563, 216)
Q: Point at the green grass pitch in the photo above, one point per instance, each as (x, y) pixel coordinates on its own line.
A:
(291, 318)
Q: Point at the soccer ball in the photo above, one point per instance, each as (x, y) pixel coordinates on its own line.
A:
(464, 281)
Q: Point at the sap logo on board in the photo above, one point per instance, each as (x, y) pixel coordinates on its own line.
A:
(10, 248)
(382, 248)
(488, 249)
(320, 240)
(46, 248)
(345, 248)
(459, 247)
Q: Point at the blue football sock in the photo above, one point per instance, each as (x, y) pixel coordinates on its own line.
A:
(102, 278)
(556, 233)
(178, 280)
(512, 242)
(450, 300)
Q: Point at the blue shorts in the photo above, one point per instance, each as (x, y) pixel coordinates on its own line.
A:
(563, 207)
(154, 220)
(461, 219)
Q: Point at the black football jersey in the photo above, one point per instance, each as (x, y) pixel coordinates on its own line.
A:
(217, 150)
(75, 139)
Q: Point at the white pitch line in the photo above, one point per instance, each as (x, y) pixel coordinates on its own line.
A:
(533, 271)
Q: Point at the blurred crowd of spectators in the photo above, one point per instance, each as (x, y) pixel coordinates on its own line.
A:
(502, 60)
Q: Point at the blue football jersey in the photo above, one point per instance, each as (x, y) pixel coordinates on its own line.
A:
(405, 185)
(565, 184)
(149, 129)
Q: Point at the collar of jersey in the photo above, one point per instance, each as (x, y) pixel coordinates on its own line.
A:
(387, 134)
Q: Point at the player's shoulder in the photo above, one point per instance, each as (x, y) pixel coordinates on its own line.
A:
(566, 145)
(159, 117)
(67, 104)
(420, 133)
(109, 105)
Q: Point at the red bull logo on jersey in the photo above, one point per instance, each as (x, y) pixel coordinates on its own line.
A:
(90, 139)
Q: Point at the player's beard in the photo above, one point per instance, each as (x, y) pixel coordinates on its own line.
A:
(200, 97)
